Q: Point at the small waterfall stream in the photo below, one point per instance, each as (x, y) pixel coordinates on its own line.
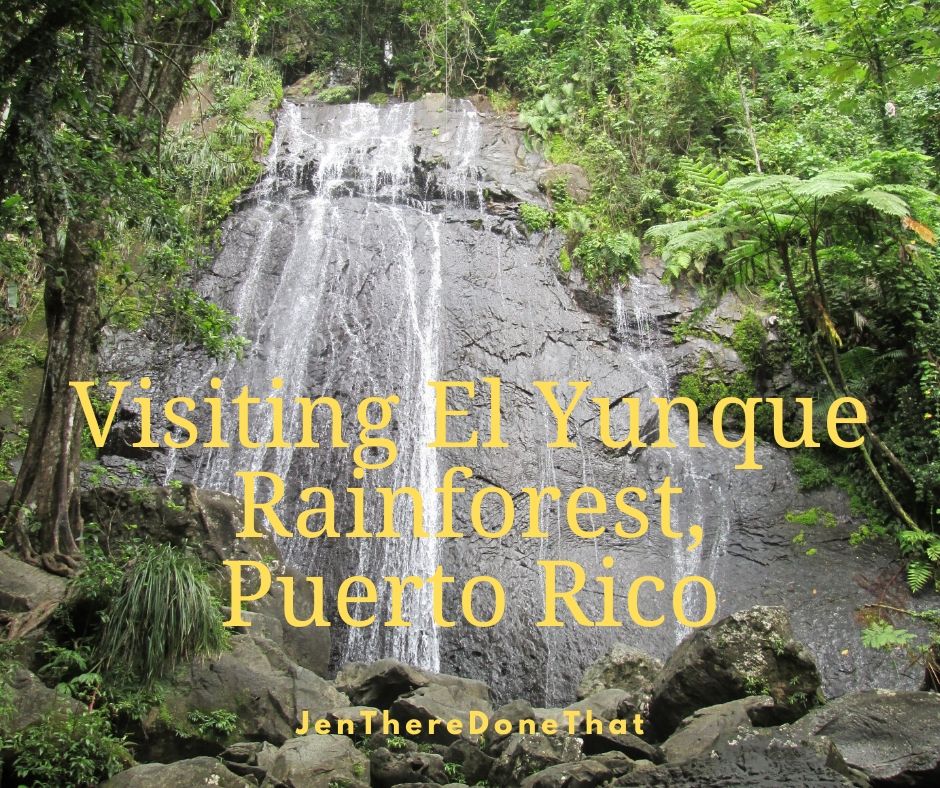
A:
(337, 197)
(690, 469)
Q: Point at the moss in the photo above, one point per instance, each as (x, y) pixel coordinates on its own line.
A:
(564, 261)
(811, 474)
(707, 386)
(748, 340)
(339, 94)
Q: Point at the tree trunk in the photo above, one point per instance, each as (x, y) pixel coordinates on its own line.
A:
(46, 493)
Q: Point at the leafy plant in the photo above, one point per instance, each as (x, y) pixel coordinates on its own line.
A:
(165, 613)
(214, 724)
(534, 217)
(68, 750)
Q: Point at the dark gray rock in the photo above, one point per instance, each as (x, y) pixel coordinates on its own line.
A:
(476, 764)
(749, 761)
(514, 712)
(318, 762)
(616, 763)
(581, 774)
(379, 683)
(894, 737)
(605, 703)
(632, 746)
(443, 702)
(524, 755)
(699, 733)
(358, 715)
(26, 700)
(182, 774)
(395, 768)
(624, 668)
(249, 759)
(27, 589)
(747, 653)
(255, 681)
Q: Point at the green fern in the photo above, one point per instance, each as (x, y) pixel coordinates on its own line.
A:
(918, 575)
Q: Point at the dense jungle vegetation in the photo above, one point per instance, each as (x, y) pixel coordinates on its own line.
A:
(790, 148)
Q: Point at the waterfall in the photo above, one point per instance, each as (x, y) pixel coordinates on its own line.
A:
(339, 276)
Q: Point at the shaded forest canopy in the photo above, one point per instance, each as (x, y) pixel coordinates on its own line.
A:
(786, 148)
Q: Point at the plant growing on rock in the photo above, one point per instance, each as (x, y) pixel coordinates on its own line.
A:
(164, 614)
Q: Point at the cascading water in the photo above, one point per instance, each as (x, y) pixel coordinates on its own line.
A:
(331, 317)
(688, 468)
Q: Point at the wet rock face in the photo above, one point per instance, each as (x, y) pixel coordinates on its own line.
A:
(891, 736)
(382, 250)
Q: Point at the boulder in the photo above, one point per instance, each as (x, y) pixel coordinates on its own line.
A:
(753, 760)
(379, 684)
(894, 737)
(580, 774)
(318, 761)
(182, 774)
(747, 653)
(476, 764)
(28, 597)
(595, 743)
(30, 700)
(627, 669)
(571, 176)
(616, 763)
(524, 755)
(358, 716)
(25, 588)
(249, 759)
(389, 768)
(254, 680)
(446, 701)
(700, 733)
(605, 703)
(514, 711)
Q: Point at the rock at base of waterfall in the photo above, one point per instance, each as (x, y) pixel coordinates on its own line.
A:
(706, 728)
(513, 712)
(318, 762)
(359, 717)
(391, 769)
(27, 700)
(624, 668)
(580, 774)
(256, 681)
(524, 755)
(747, 653)
(605, 703)
(182, 774)
(444, 702)
(249, 758)
(894, 737)
(758, 759)
(476, 764)
(380, 683)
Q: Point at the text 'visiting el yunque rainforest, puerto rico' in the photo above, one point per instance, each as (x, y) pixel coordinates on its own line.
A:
(501, 393)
